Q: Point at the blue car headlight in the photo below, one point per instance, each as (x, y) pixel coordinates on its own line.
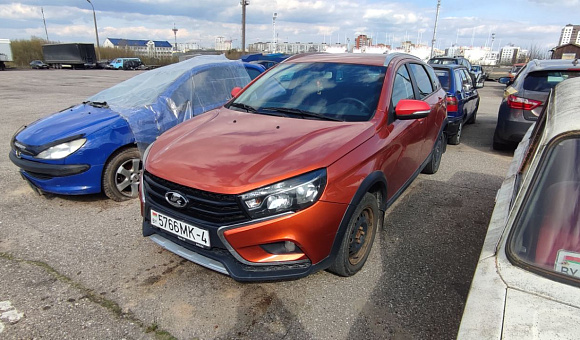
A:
(290, 195)
(62, 150)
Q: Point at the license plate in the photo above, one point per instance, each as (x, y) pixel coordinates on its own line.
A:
(181, 229)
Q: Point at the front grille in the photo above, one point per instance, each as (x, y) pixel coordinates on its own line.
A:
(204, 206)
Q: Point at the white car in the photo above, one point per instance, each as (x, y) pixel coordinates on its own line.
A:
(527, 281)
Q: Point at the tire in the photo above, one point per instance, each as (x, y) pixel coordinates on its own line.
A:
(473, 117)
(358, 239)
(499, 144)
(121, 176)
(436, 156)
(456, 138)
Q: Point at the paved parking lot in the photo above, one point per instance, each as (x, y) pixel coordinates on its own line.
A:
(78, 267)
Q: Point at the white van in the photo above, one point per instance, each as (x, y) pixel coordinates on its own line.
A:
(117, 63)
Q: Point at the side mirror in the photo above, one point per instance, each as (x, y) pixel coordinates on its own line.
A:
(235, 91)
(504, 80)
(412, 109)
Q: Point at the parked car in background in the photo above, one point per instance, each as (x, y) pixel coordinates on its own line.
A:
(527, 281)
(480, 75)
(515, 69)
(38, 64)
(524, 98)
(462, 99)
(291, 175)
(266, 63)
(124, 63)
(456, 61)
(94, 146)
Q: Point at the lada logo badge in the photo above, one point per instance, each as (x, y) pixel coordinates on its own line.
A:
(176, 199)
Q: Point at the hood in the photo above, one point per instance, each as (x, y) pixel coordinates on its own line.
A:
(233, 152)
(81, 119)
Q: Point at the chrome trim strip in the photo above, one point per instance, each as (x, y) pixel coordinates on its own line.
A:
(235, 254)
(189, 255)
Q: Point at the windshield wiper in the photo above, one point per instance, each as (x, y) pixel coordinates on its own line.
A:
(302, 113)
(245, 107)
(97, 104)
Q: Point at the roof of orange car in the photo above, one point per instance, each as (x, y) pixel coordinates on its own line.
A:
(346, 58)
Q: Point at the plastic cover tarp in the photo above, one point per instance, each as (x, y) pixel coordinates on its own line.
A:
(157, 100)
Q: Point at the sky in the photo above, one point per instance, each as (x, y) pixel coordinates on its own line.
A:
(525, 23)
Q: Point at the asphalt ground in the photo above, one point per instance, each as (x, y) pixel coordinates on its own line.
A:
(78, 267)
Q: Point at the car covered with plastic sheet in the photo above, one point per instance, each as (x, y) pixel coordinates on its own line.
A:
(95, 146)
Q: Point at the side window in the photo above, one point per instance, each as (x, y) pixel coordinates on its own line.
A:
(468, 80)
(434, 78)
(423, 81)
(459, 80)
(402, 88)
(253, 73)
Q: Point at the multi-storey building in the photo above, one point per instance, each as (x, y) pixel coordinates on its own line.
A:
(144, 48)
(570, 35)
(221, 44)
(362, 40)
(509, 55)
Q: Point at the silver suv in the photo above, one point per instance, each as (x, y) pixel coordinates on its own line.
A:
(524, 98)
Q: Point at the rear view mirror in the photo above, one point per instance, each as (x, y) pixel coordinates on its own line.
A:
(235, 91)
(412, 109)
(504, 80)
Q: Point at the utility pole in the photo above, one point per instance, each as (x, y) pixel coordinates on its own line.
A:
(435, 28)
(274, 40)
(96, 31)
(175, 34)
(244, 3)
(44, 20)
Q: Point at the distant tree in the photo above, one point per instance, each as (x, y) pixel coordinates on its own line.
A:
(536, 52)
(25, 51)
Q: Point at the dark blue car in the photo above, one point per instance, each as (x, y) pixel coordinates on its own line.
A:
(462, 99)
(95, 146)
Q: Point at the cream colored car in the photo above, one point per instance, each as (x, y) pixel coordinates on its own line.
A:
(527, 281)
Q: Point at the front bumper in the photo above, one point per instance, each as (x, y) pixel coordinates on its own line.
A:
(61, 179)
(235, 249)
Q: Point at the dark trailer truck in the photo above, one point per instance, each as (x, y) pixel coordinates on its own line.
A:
(73, 55)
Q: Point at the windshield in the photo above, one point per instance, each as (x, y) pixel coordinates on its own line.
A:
(443, 76)
(544, 81)
(346, 92)
(547, 232)
(443, 61)
(145, 88)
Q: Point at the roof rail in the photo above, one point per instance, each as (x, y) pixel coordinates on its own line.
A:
(391, 56)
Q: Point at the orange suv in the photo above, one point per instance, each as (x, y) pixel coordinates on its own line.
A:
(293, 175)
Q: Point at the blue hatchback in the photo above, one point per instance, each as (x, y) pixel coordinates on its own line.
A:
(95, 146)
(462, 99)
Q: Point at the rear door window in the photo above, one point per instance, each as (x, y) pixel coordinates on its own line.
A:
(424, 84)
(544, 81)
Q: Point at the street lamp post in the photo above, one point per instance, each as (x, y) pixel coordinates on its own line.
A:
(244, 3)
(96, 31)
(435, 29)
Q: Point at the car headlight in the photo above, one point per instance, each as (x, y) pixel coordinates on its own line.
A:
(62, 150)
(290, 195)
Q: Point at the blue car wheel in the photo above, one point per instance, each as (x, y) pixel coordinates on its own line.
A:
(121, 175)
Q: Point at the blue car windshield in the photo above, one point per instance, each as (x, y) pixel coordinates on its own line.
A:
(331, 91)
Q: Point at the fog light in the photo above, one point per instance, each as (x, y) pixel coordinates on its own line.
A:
(290, 246)
(281, 248)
